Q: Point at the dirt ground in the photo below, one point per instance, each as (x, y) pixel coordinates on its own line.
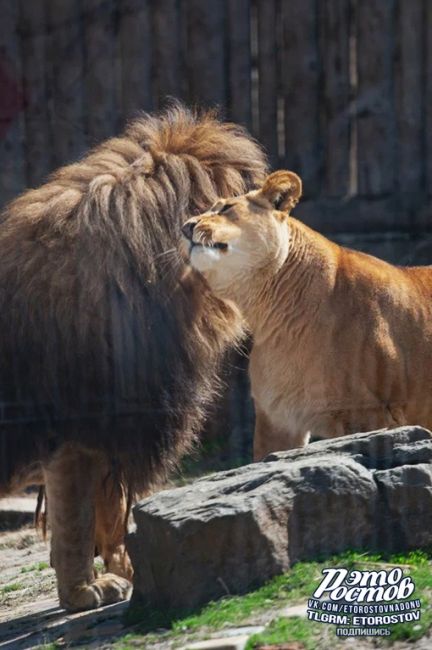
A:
(31, 618)
(29, 611)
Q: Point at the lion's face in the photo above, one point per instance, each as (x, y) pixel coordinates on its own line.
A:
(240, 237)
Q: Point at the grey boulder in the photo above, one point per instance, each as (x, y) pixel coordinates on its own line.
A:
(231, 531)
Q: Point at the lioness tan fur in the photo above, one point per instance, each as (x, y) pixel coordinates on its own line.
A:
(109, 344)
(342, 341)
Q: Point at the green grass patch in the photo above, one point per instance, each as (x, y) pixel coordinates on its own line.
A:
(283, 630)
(295, 586)
(38, 566)
(417, 564)
(13, 586)
(421, 573)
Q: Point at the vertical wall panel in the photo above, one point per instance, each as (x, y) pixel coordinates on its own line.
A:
(409, 95)
(375, 104)
(239, 62)
(12, 165)
(268, 78)
(136, 44)
(300, 85)
(65, 66)
(38, 149)
(206, 51)
(335, 102)
(427, 31)
(168, 68)
(100, 74)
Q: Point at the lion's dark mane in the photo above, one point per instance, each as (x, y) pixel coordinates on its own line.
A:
(106, 337)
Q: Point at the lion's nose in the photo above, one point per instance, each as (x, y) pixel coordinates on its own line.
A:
(187, 229)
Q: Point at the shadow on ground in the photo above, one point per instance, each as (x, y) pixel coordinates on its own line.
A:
(53, 624)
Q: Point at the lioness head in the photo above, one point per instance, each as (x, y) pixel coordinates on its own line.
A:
(242, 236)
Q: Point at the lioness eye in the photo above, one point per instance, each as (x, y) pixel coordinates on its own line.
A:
(226, 207)
(215, 207)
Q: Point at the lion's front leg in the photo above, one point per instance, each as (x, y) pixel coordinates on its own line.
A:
(71, 479)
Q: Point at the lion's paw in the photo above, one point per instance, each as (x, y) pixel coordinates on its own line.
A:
(105, 590)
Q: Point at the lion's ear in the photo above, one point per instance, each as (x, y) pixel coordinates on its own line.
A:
(283, 189)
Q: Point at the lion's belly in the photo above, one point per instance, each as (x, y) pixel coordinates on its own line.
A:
(328, 399)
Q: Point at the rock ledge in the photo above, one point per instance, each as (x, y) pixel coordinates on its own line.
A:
(231, 531)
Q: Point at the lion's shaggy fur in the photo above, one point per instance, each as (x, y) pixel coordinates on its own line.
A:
(107, 338)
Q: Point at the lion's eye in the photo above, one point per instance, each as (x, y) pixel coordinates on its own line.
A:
(226, 207)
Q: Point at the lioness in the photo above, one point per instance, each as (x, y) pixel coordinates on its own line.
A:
(342, 341)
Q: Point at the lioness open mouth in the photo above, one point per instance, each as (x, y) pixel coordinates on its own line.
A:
(217, 245)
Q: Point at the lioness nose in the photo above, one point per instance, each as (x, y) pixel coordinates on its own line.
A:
(187, 229)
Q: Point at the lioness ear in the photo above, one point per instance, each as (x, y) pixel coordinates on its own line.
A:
(283, 189)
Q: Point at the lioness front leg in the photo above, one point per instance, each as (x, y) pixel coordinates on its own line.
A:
(71, 478)
(269, 438)
(111, 516)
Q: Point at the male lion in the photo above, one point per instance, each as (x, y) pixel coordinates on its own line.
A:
(342, 341)
(109, 344)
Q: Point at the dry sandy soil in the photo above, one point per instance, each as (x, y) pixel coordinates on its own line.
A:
(29, 611)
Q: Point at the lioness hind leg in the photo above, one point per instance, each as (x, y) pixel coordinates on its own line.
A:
(111, 515)
(71, 480)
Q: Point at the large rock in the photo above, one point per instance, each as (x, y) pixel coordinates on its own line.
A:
(233, 530)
